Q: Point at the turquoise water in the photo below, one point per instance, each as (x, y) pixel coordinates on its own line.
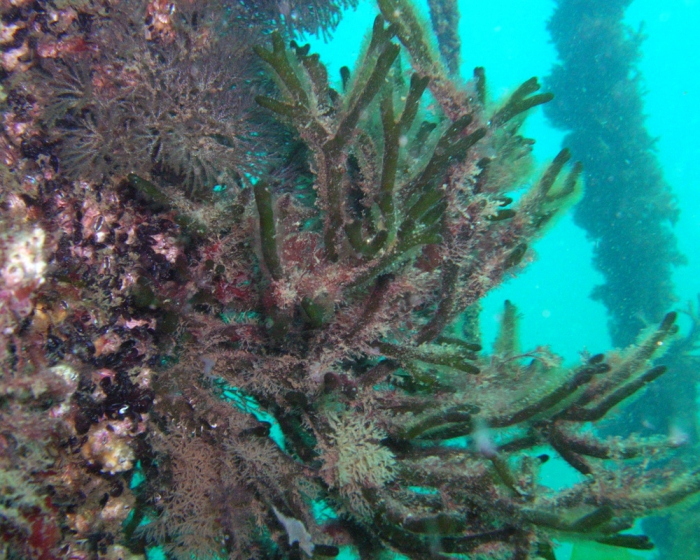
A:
(671, 70)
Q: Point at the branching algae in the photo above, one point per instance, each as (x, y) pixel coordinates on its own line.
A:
(278, 338)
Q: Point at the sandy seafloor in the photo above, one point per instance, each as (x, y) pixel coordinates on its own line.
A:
(509, 38)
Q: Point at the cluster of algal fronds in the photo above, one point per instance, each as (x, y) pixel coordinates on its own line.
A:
(347, 339)
(285, 359)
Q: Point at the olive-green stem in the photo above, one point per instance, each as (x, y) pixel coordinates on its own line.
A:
(268, 235)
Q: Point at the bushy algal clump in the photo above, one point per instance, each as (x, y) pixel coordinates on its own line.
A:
(243, 326)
